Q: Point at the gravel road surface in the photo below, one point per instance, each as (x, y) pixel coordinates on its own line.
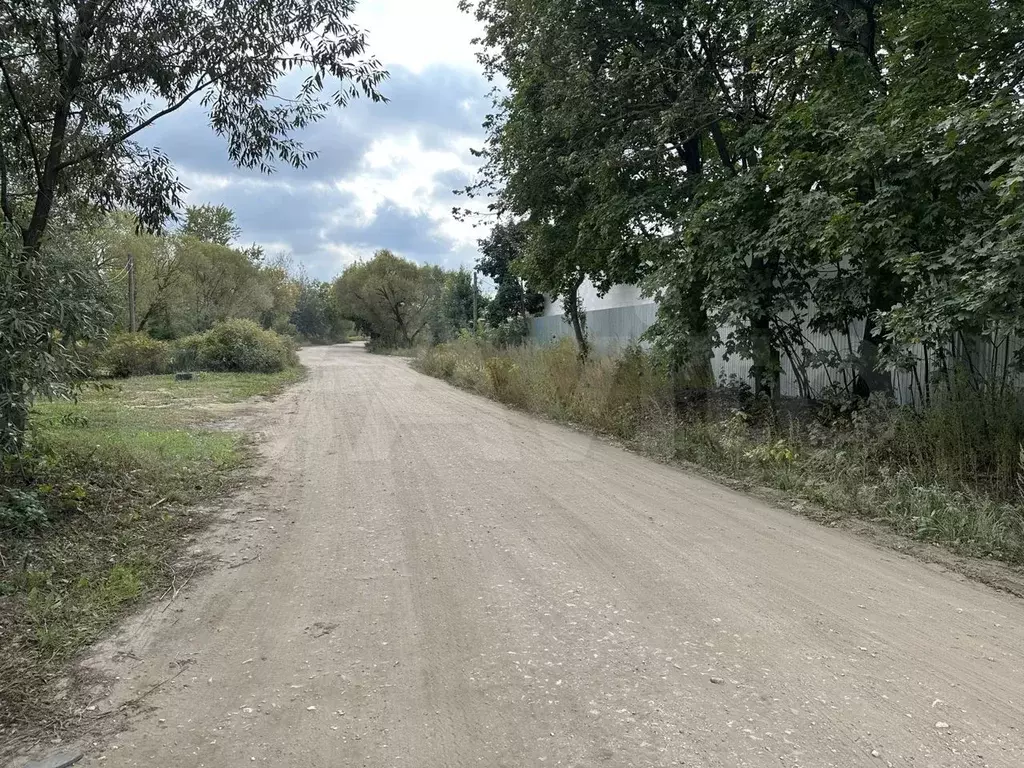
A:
(442, 582)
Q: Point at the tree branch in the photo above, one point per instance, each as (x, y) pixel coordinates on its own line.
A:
(70, 79)
(26, 126)
(5, 200)
(113, 142)
(58, 38)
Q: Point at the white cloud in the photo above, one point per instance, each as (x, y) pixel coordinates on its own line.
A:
(401, 170)
(385, 172)
(418, 33)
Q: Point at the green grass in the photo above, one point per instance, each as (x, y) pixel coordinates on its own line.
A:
(118, 474)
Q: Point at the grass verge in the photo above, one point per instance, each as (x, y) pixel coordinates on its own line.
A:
(96, 512)
(952, 473)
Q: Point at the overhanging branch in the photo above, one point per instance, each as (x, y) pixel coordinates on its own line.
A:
(110, 143)
(26, 126)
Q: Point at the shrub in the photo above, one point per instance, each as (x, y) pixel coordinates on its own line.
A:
(188, 352)
(439, 361)
(135, 354)
(242, 346)
(380, 345)
(559, 372)
(511, 333)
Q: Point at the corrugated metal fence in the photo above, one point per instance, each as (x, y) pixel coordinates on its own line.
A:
(610, 330)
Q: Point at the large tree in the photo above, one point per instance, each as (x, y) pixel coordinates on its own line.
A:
(390, 298)
(501, 252)
(81, 80)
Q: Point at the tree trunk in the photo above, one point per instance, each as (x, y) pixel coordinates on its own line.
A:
(572, 309)
(855, 27)
(49, 178)
(13, 424)
(767, 368)
(870, 378)
(694, 376)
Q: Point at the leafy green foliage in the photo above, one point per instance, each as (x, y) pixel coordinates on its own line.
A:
(501, 253)
(22, 512)
(242, 346)
(135, 354)
(211, 224)
(391, 299)
(317, 316)
(51, 307)
(188, 280)
(455, 306)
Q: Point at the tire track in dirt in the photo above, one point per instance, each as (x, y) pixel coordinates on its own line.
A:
(450, 583)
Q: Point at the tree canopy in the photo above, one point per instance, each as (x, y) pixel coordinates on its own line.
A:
(82, 80)
(775, 169)
(390, 298)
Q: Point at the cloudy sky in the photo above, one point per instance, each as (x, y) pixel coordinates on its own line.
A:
(385, 172)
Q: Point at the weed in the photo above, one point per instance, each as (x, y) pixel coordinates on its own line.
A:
(21, 511)
(952, 472)
(93, 515)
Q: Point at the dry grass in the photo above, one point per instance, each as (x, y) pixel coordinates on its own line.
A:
(952, 473)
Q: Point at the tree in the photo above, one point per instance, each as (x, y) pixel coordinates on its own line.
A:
(51, 306)
(82, 79)
(454, 308)
(184, 283)
(392, 299)
(317, 316)
(211, 224)
(500, 253)
(530, 148)
(157, 271)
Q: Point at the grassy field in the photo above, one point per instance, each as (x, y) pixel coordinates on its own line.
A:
(97, 511)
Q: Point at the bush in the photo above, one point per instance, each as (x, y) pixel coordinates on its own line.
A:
(135, 354)
(511, 333)
(188, 352)
(507, 382)
(377, 345)
(242, 346)
(439, 361)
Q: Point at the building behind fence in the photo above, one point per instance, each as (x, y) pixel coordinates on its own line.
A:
(621, 317)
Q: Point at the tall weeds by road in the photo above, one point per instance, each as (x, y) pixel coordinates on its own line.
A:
(951, 473)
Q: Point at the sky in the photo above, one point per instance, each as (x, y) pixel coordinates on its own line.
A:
(385, 172)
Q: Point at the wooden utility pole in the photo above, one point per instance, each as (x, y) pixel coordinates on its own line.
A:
(475, 326)
(131, 293)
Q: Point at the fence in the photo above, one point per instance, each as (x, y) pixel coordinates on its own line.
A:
(991, 360)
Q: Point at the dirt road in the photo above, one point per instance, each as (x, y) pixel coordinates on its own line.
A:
(442, 582)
